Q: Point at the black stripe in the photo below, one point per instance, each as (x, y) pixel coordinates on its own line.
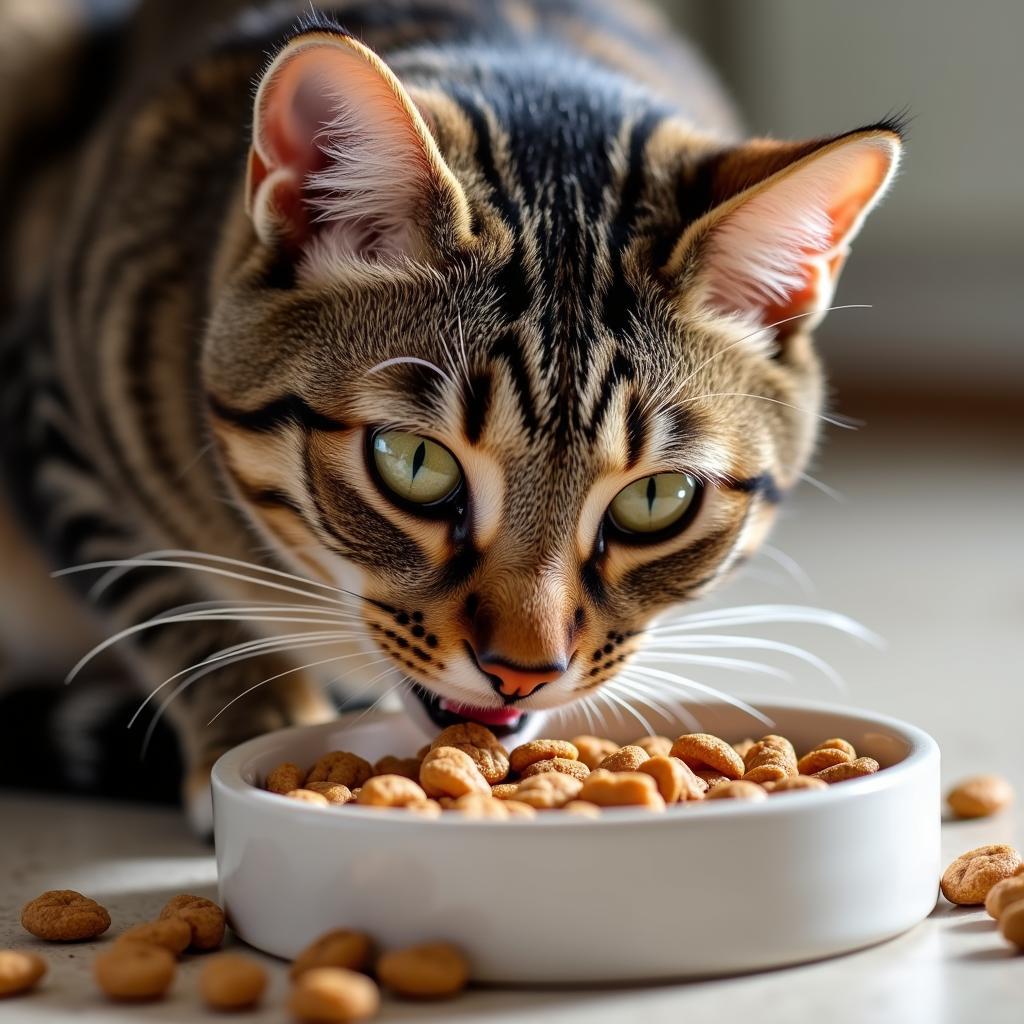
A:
(281, 412)
(476, 403)
(620, 298)
(80, 529)
(636, 431)
(506, 347)
(621, 369)
(271, 497)
(763, 484)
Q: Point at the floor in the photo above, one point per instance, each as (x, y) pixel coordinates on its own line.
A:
(914, 530)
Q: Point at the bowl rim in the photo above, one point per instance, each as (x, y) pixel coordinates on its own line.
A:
(227, 779)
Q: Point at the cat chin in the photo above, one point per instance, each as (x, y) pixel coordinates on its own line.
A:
(431, 712)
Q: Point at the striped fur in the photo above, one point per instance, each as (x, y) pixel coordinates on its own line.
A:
(177, 378)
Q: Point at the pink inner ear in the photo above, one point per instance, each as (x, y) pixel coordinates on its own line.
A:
(778, 253)
(335, 153)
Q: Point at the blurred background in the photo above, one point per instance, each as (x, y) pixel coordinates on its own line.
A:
(914, 522)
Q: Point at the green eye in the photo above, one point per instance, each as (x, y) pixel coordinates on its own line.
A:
(653, 503)
(415, 468)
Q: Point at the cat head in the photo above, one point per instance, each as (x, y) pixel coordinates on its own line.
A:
(520, 373)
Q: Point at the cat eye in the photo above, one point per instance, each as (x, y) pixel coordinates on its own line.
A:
(414, 468)
(654, 506)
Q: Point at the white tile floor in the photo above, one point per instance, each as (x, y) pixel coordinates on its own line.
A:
(926, 548)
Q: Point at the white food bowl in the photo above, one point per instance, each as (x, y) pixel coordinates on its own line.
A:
(714, 888)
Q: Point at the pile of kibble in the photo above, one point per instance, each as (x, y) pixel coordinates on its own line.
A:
(467, 770)
(332, 979)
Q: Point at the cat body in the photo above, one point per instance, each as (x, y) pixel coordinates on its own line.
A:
(514, 250)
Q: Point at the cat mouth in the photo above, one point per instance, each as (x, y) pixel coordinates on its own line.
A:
(444, 712)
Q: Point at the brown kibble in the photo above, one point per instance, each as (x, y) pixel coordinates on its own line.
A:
(738, 789)
(308, 796)
(969, 879)
(434, 970)
(699, 750)
(541, 750)
(324, 995)
(1002, 894)
(390, 791)
(838, 744)
(478, 805)
(593, 750)
(342, 767)
(582, 808)
(171, 933)
(490, 757)
(341, 947)
(284, 778)
(1011, 924)
(203, 916)
(621, 789)
(710, 778)
(794, 783)
(743, 746)
(548, 790)
(448, 771)
(333, 792)
(134, 971)
(19, 971)
(656, 746)
(230, 981)
(817, 760)
(63, 915)
(848, 770)
(980, 796)
(674, 780)
(770, 759)
(625, 759)
(505, 790)
(517, 809)
(424, 808)
(577, 769)
(409, 767)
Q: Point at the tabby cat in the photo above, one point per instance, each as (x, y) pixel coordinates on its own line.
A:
(440, 345)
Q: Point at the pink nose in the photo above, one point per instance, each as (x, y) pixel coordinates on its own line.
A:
(518, 680)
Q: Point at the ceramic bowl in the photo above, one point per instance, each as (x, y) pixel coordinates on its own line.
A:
(704, 889)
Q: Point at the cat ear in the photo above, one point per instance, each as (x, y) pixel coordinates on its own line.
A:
(773, 246)
(341, 153)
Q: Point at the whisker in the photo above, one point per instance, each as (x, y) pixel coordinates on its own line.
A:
(830, 492)
(768, 614)
(281, 675)
(768, 327)
(629, 707)
(414, 360)
(737, 664)
(239, 652)
(835, 421)
(692, 684)
(790, 566)
(758, 644)
(676, 703)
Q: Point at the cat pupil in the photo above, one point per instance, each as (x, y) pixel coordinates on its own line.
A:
(652, 493)
(418, 456)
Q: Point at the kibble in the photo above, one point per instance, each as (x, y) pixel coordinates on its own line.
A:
(324, 995)
(203, 916)
(63, 915)
(980, 796)
(970, 878)
(466, 771)
(232, 982)
(434, 970)
(20, 971)
(134, 971)
(1002, 894)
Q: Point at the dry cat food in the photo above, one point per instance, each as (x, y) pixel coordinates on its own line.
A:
(134, 971)
(467, 771)
(434, 970)
(63, 915)
(203, 917)
(20, 971)
(970, 878)
(323, 995)
(230, 981)
(980, 796)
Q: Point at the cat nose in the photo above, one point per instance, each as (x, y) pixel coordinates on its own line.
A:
(512, 681)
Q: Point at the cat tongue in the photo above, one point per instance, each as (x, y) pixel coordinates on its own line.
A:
(485, 716)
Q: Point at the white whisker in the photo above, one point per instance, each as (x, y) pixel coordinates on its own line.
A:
(737, 664)
(413, 360)
(830, 492)
(790, 566)
(691, 684)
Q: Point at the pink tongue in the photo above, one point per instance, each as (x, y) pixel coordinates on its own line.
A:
(485, 716)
